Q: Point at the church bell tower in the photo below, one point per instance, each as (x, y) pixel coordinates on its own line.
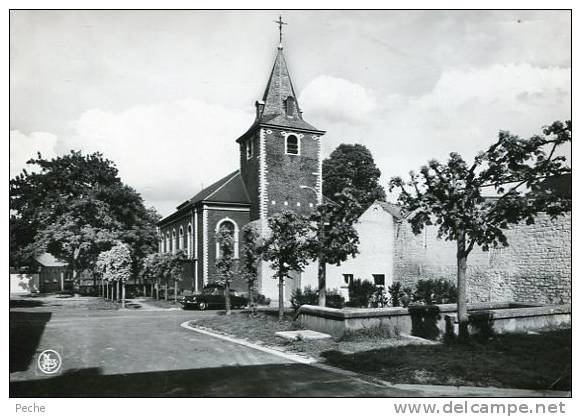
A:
(280, 154)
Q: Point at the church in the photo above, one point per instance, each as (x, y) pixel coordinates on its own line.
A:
(280, 168)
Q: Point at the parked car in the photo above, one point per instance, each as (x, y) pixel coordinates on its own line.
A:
(212, 296)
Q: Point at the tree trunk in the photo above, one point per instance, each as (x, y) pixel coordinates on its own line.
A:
(152, 290)
(175, 292)
(322, 282)
(123, 295)
(107, 289)
(145, 290)
(157, 291)
(280, 297)
(251, 302)
(462, 307)
(117, 290)
(322, 266)
(227, 298)
(165, 291)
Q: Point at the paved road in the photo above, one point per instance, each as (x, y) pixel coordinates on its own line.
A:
(147, 353)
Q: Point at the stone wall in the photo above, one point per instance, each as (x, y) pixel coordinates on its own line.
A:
(535, 267)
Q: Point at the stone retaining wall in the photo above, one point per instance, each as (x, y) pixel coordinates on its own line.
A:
(502, 317)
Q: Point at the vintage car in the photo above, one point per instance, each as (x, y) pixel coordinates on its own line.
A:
(212, 296)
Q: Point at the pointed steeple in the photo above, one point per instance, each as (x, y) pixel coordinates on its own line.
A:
(279, 104)
(279, 89)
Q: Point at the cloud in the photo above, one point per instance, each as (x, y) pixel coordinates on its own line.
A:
(166, 151)
(337, 100)
(26, 146)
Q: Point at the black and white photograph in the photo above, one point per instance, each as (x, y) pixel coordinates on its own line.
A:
(291, 203)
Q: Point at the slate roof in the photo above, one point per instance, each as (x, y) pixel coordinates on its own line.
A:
(273, 109)
(391, 208)
(230, 189)
(46, 259)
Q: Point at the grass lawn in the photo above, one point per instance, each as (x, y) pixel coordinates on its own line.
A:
(528, 361)
(262, 329)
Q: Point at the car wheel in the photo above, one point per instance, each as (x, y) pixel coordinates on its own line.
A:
(202, 306)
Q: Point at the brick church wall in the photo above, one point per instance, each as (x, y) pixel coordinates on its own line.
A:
(536, 267)
(286, 173)
(249, 169)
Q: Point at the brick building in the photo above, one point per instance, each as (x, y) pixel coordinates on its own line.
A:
(280, 168)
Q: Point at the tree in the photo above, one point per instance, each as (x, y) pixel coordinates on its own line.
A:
(115, 266)
(333, 238)
(76, 206)
(353, 167)
(152, 271)
(250, 257)
(285, 249)
(450, 195)
(225, 262)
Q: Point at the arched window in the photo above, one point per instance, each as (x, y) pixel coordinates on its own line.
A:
(292, 145)
(232, 227)
(173, 241)
(181, 238)
(167, 243)
(160, 245)
(289, 106)
(189, 239)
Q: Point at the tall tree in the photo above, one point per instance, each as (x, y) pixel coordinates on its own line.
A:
(285, 249)
(450, 196)
(353, 167)
(75, 206)
(333, 237)
(250, 258)
(225, 262)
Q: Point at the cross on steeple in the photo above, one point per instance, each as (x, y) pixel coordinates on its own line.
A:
(279, 22)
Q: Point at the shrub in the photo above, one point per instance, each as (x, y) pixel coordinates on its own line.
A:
(311, 297)
(306, 296)
(379, 298)
(435, 291)
(334, 299)
(395, 294)
(360, 293)
(425, 321)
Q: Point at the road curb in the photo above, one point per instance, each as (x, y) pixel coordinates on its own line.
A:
(306, 360)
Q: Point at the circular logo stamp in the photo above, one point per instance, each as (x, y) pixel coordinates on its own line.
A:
(49, 362)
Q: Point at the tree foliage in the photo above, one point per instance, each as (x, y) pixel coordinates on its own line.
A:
(115, 264)
(76, 206)
(250, 255)
(285, 248)
(225, 262)
(353, 167)
(332, 238)
(450, 195)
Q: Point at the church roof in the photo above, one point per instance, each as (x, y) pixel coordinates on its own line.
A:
(229, 189)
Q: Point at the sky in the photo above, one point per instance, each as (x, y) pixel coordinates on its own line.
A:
(165, 94)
